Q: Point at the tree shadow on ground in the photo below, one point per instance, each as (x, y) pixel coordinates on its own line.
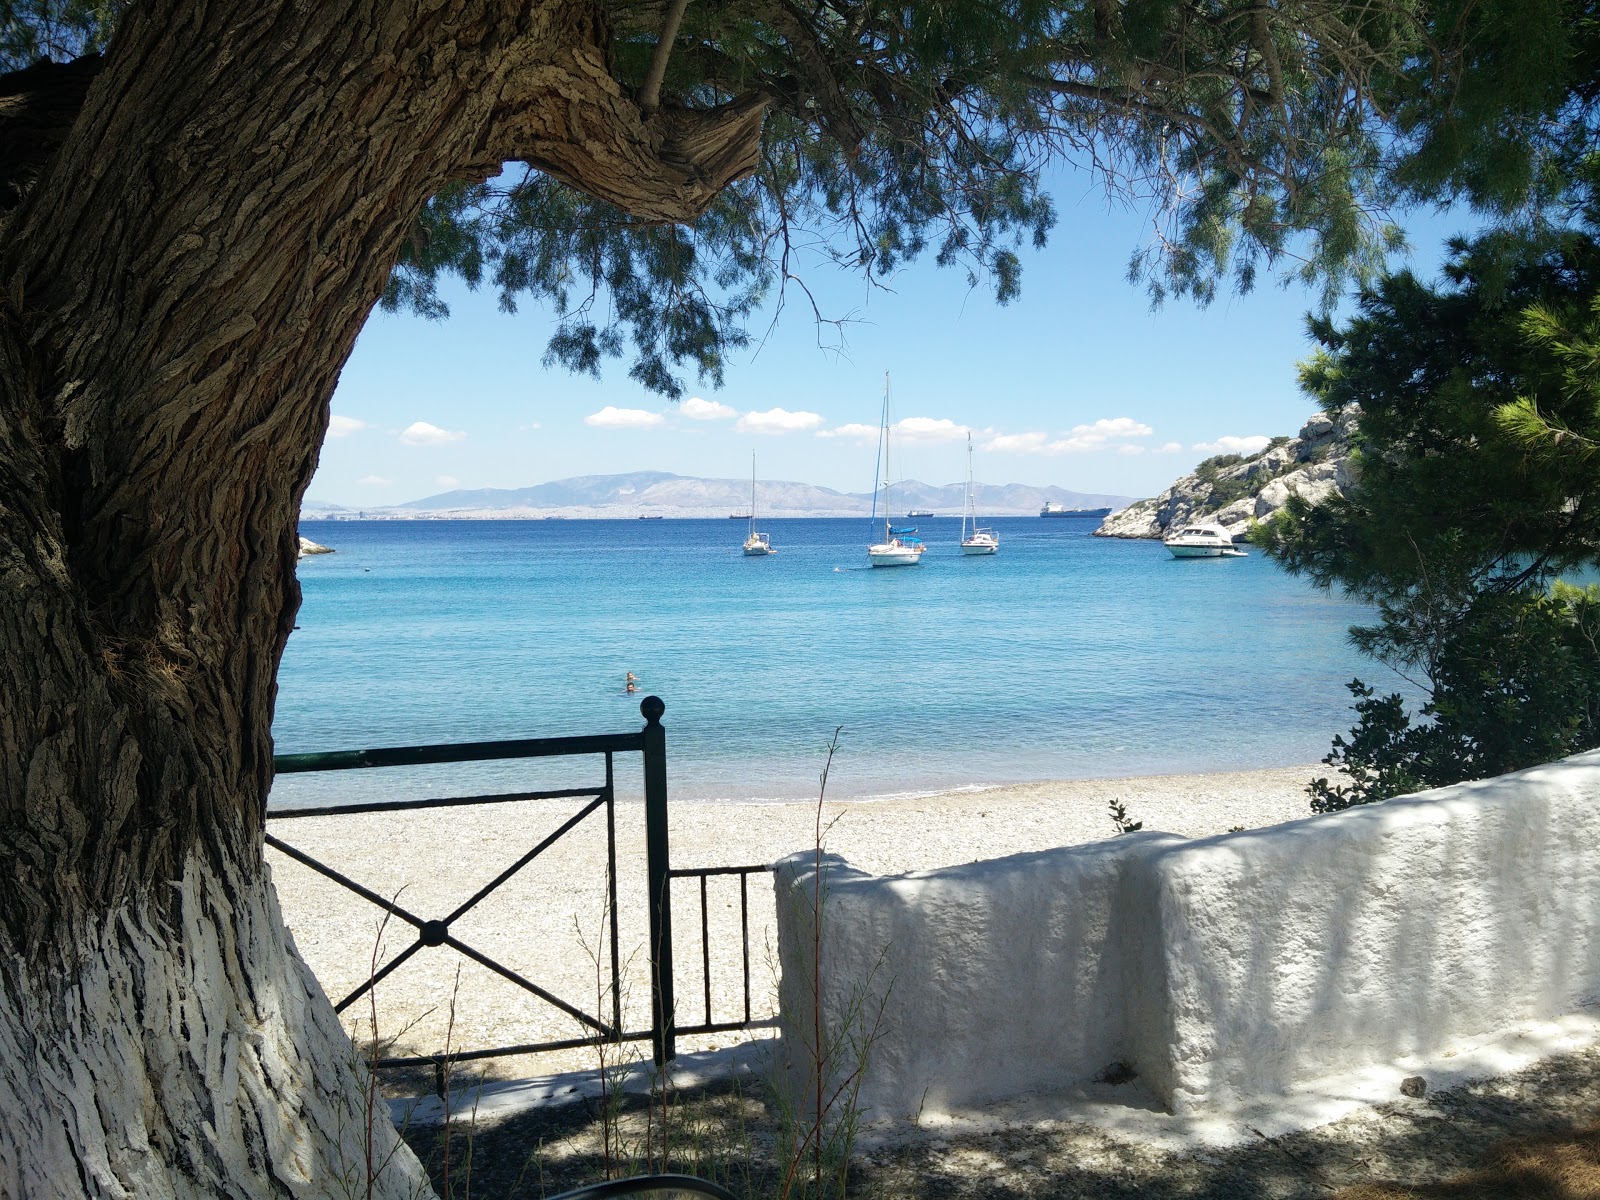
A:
(728, 1132)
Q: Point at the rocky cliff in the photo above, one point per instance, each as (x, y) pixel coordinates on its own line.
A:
(1235, 490)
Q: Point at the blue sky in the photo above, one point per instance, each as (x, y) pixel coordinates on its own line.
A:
(1078, 383)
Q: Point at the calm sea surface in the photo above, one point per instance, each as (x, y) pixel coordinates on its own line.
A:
(1062, 656)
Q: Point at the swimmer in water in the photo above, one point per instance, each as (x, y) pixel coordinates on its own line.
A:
(631, 681)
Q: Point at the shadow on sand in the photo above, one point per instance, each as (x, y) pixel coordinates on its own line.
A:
(728, 1133)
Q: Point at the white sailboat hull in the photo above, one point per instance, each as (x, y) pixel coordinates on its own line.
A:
(975, 540)
(757, 545)
(891, 555)
(893, 551)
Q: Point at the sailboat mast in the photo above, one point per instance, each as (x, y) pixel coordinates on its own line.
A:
(967, 512)
(886, 507)
(752, 493)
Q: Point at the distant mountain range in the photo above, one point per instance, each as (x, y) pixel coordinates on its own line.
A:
(662, 494)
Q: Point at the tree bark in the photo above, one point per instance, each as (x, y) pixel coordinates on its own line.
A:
(178, 293)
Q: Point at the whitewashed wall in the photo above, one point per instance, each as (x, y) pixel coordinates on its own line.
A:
(1222, 970)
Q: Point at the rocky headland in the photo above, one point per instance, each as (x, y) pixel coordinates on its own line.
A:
(1236, 491)
(307, 546)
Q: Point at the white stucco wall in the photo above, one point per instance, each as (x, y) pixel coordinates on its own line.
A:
(1223, 969)
(1001, 977)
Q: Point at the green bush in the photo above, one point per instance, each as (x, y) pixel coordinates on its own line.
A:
(1516, 683)
(1208, 468)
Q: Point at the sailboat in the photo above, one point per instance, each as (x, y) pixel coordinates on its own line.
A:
(978, 541)
(756, 543)
(900, 547)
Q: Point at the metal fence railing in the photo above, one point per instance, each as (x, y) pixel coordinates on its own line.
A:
(650, 744)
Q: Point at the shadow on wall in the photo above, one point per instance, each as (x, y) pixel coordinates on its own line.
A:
(1222, 970)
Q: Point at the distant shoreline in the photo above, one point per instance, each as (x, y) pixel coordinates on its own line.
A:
(661, 493)
(619, 514)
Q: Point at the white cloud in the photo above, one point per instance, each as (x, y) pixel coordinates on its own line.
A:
(778, 420)
(375, 481)
(854, 431)
(1105, 434)
(420, 433)
(911, 429)
(1075, 444)
(1019, 443)
(531, 425)
(1254, 444)
(341, 426)
(1114, 427)
(449, 481)
(697, 409)
(1086, 439)
(1169, 448)
(611, 417)
(929, 429)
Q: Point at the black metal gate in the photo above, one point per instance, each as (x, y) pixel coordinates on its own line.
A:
(651, 744)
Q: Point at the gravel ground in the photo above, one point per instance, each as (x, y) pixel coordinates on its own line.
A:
(548, 923)
(731, 1135)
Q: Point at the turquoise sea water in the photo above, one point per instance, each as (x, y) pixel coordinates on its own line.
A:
(1062, 656)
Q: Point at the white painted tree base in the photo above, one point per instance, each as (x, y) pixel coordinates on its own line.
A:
(193, 1062)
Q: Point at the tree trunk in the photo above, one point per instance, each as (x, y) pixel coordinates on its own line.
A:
(178, 292)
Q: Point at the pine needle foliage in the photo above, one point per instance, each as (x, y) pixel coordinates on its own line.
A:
(1264, 140)
(1476, 489)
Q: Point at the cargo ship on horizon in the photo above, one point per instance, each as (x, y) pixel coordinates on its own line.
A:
(1052, 509)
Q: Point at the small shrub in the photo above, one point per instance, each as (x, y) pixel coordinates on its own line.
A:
(1119, 818)
(1209, 468)
(1380, 759)
(1515, 681)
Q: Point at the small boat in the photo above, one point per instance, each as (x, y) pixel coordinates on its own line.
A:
(1202, 541)
(648, 517)
(756, 544)
(973, 539)
(919, 512)
(900, 547)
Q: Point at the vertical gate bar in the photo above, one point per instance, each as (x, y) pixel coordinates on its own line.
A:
(662, 1015)
(705, 945)
(744, 936)
(611, 862)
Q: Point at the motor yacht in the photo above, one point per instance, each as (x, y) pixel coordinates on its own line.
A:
(1201, 541)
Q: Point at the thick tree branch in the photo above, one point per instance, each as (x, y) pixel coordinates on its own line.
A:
(817, 73)
(650, 90)
(572, 120)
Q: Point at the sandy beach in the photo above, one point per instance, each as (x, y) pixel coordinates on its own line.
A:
(547, 923)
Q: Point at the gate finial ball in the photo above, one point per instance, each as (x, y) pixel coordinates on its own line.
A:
(652, 707)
